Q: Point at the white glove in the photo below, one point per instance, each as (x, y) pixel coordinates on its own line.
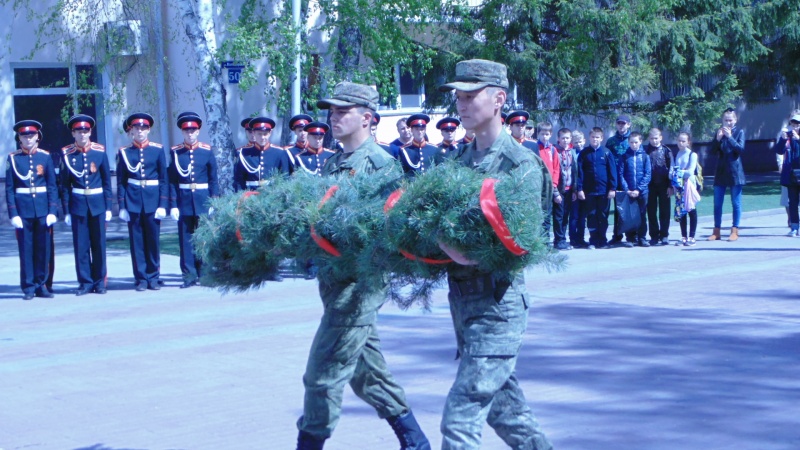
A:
(161, 213)
(68, 219)
(108, 216)
(175, 213)
(17, 222)
(50, 219)
(211, 211)
(124, 216)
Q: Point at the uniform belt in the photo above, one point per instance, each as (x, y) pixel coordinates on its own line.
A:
(477, 285)
(143, 182)
(32, 190)
(256, 183)
(193, 186)
(94, 191)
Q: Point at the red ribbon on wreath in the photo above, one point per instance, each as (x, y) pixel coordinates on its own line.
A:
(390, 202)
(491, 210)
(238, 207)
(321, 241)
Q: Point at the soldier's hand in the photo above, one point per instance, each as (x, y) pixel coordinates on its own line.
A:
(68, 220)
(175, 213)
(456, 255)
(612, 194)
(161, 213)
(108, 216)
(17, 222)
(124, 216)
(581, 195)
(210, 211)
(50, 219)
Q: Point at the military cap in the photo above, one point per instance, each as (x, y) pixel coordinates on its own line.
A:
(376, 119)
(316, 128)
(351, 94)
(140, 119)
(27, 126)
(125, 127)
(517, 117)
(476, 74)
(189, 119)
(246, 123)
(300, 120)
(262, 123)
(418, 120)
(448, 122)
(80, 122)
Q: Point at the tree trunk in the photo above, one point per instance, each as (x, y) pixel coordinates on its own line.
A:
(198, 20)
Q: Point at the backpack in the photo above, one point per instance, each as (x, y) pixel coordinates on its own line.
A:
(698, 175)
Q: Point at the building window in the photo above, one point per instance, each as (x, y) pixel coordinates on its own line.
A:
(410, 87)
(52, 93)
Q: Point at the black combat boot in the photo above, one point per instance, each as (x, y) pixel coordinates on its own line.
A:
(306, 441)
(408, 432)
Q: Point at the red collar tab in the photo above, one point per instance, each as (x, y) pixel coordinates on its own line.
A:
(143, 144)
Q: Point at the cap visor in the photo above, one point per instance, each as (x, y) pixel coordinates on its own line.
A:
(463, 86)
(328, 102)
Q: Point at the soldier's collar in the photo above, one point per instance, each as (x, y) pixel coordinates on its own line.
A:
(315, 151)
(191, 147)
(301, 144)
(83, 149)
(142, 145)
(31, 151)
(419, 144)
(260, 148)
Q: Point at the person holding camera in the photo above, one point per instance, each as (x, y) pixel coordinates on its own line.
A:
(728, 145)
(789, 146)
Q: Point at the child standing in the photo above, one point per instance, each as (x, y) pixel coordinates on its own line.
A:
(634, 177)
(552, 161)
(597, 184)
(660, 189)
(685, 184)
(562, 212)
(577, 218)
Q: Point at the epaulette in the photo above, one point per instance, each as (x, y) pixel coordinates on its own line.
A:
(43, 151)
(15, 152)
(406, 145)
(122, 148)
(176, 147)
(204, 146)
(67, 148)
(156, 144)
(98, 147)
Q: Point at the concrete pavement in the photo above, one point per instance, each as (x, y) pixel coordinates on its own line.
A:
(658, 348)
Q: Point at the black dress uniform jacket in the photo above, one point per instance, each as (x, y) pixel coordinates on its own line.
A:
(142, 178)
(192, 178)
(83, 172)
(416, 157)
(36, 196)
(255, 165)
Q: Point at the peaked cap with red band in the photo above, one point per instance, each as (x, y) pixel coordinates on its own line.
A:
(299, 120)
(262, 123)
(140, 119)
(316, 128)
(80, 122)
(448, 122)
(189, 119)
(26, 126)
(517, 117)
(418, 120)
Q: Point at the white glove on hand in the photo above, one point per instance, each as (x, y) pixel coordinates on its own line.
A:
(175, 213)
(50, 219)
(68, 220)
(210, 211)
(124, 216)
(161, 213)
(17, 222)
(108, 216)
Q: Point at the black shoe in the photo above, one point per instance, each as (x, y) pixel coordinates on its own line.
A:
(664, 241)
(27, 295)
(83, 290)
(44, 293)
(604, 247)
(141, 286)
(628, 244)
(188, 284)
(644, 243)
(100, 290)
(408, 432)
(615, 240)
(306, 441)
(154, 286)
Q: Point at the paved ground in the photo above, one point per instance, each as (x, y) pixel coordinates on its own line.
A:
(628, 349)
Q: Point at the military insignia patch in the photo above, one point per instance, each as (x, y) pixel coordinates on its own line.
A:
(40, 170)
(93, 168)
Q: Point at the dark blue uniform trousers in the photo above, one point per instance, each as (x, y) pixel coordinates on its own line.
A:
(190, 264)
(33, 241)
(145, 236)
(89, 240)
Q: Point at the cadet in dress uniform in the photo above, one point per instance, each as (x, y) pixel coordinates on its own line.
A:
(448, 127)
(255, 164)
(192, 182)
(87, 198)
(32, 200)
(297, 124)
(248, 132)
(418, 155)
(143, 197)
(516, 122)
(314, 156)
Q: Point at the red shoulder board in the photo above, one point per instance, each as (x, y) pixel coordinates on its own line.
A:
(176, 147)
(43, 151)
(98, 147)
(68, 148)
(205, 146)
(156, 144)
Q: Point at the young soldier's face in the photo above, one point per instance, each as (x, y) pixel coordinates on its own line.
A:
(448, 134)
(190, 135)
(418, 133)
(300, 133)
(478, 109)
(346, 120)
(518, 130)
(564, 139)
(544, 136)
(261, 137)
(81, 137)
(595, 139)
(315, 140)
(140, 132)
(28, 140)
(655, 139)
(635, 143)
(249, 134)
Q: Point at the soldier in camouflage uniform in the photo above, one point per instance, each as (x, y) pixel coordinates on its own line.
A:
(489, 314)
(346, 347)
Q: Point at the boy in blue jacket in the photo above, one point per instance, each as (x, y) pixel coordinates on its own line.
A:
(634, 172)
(597, 185)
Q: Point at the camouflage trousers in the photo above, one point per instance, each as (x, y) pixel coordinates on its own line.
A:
(489, 334)
(346, 349)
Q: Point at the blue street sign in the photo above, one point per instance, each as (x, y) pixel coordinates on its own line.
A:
(232, 65)
(234, 74)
